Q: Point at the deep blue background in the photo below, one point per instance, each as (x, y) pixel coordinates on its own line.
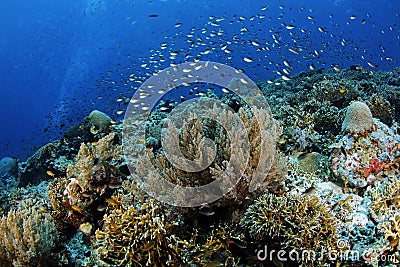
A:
(61, 59)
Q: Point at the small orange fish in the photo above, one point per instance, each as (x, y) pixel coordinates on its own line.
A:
(50, 173)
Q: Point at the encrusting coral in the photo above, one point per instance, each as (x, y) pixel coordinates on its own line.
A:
(360, 160)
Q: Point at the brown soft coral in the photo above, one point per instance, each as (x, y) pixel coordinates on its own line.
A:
(225, 162)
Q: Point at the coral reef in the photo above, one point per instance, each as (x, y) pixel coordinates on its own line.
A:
(323, 184)
(358, 161)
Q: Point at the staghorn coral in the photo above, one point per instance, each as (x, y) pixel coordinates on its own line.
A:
(148, 234)
(137, 237)
(391, 229)
(224, 244)
(384, 195)
(297, 222)
(29, 236)
(92, 179)
(336, 91)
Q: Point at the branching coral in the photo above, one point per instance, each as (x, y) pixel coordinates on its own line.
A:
(29, 236)
(297, 222)
(222, 244)
(138, 237)
(385, 195)
(392, 232)
(381, 109)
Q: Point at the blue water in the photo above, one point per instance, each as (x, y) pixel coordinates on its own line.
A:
(62, 59)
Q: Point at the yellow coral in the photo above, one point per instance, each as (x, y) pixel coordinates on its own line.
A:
(137, 237)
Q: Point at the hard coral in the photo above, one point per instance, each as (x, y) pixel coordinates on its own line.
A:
(297, 222)
(358, 118)
(100, 122)
(138, 237)
(381, 109)
(360, 160)
(34, 169)
(223, 244)
(391, 230)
